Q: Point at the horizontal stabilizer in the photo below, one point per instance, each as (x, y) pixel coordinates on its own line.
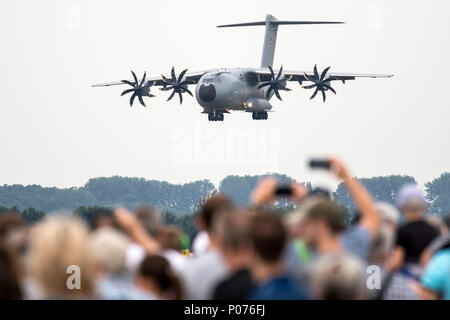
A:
(277, 23)
(245, 24)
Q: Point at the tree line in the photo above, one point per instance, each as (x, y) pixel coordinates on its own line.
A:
(178, 202)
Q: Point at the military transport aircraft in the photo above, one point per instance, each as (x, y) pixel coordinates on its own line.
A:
(222, 90)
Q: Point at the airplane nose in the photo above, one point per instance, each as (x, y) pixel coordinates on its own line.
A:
(207, 93)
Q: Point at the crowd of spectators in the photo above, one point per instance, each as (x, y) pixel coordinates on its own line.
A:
(386, 252)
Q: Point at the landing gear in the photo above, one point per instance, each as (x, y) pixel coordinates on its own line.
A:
(259, 115)
(215, 116)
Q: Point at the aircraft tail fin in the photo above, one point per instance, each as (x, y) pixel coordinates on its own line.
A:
(270, 36)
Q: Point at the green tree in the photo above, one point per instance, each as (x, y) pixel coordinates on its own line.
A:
(381, 188)
(239, 188)
(91, 214)
(31, 215)
(438, 193)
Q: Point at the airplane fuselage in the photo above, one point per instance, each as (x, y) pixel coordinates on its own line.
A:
(221, 90)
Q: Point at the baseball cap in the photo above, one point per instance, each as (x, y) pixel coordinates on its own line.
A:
(411, 195)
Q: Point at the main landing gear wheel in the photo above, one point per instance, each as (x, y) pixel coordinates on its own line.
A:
(215, 116)
(259, 115)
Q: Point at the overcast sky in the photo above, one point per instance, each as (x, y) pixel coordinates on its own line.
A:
(58, 131)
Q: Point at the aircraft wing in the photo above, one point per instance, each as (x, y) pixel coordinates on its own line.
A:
(191, 77)
(296, 75)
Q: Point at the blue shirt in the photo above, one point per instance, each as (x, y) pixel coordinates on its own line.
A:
(279, 288)
(356, 241)
(120, 287)
(436, 276)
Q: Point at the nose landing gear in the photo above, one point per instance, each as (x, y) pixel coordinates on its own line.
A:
(259, 115)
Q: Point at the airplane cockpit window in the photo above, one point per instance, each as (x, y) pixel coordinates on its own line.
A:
(208, 80)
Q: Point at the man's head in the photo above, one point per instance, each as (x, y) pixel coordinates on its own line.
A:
(170, 238)
(14, 232)
(268, 238)
(322, 218)
(338, 277)
(382, 245)
(212, 208)
(411, 202)
(233, 235)
(9, 222)
(150, 218)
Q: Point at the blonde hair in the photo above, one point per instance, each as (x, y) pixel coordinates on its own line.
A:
(55, 244)
(109, 247)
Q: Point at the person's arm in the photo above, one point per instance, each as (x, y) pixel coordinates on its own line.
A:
(395, 261)
(135, 230)
(370, 219)
(425, 257)
(264, 192)
(424, 293)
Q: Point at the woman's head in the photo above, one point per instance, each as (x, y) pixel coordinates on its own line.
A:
(155, 275)
(57, 245)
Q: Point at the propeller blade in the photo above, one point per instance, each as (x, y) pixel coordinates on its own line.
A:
(180, 77)
(127, 91)
(324, 73)
(268, 92)
(277, 94)
(141, 100)
(171, 95)
(143, 79)
(310, 86)
(189, 92)
(128, 82)
(271, 71)
(174, 78)
(279, 72)
(329, 88)
(314, 94)
(181, 97)
(135, 78)
(323, 95)
(264, 84)
(283, 87)
(132, 99)
(316, 74)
